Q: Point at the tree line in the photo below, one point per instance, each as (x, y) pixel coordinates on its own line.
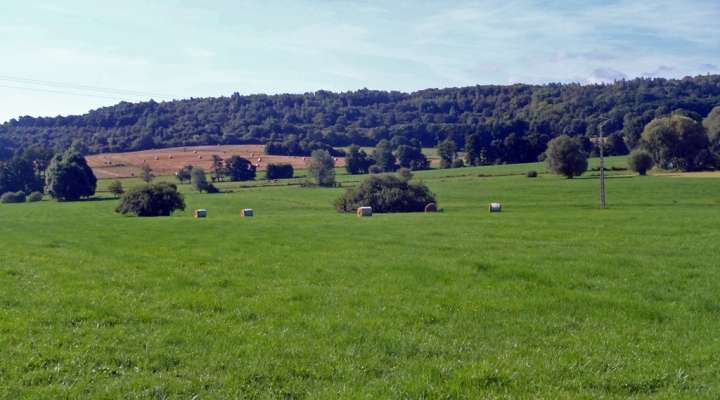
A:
(503, 124)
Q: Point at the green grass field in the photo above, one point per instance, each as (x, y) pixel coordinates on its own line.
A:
(552, 298)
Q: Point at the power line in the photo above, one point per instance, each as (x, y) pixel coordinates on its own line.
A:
(81, 87)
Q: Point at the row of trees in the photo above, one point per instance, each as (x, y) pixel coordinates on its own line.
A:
(385, 158)
(502, 123)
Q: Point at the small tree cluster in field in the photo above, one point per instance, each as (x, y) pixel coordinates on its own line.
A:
(12, 197)
(200, 183)
(321, 168)
(69, 177)
(532, 174)
(152, 200)
(458, 163)
(279, 171)
(357, 161)
(565, 156)
(640, 161)
(239, 169)
(34, 197)
(386, 193)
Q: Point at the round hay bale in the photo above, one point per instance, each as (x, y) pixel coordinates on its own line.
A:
(247, 212)
(495, 207)
(431, 207)
(364, 212)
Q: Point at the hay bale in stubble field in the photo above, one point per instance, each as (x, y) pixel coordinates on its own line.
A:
(495, 207)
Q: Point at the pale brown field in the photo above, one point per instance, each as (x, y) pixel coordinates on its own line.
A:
(168, 161)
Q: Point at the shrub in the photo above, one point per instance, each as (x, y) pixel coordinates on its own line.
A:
(532, 174)
(357, 161)
(184, 174)
(458, 163)
(34, 197)
(565, 156)
(152, 200)
(279, 171)
(375, 169)
(12, 197)
(386, 193)
(640, 161)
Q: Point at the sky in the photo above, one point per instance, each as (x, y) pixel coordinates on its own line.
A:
(71, 56)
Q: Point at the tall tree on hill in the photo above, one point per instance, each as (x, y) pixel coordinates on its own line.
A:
(69, 178)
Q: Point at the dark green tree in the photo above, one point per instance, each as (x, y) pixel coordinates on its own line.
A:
(239, 169)
(386, 193)
(565, 156)
(473, 150)
(357, 161)
(199, 181)
(279, 171)
(218, 170)
(155, 200)
(321, 168)
(69, 177)
(412, 157)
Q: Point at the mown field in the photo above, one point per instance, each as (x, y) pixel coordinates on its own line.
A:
(553, 298)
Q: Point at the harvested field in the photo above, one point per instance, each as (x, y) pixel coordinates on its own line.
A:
(167, 161)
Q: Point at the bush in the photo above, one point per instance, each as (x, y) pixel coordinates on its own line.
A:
(239, 169)
(386, 194)
(565, 156)
(34, 197)
(375, 169)
(640, 161)
(458, 163)
(279, 171)
(12, 197)
(153, 200)
(532, 174)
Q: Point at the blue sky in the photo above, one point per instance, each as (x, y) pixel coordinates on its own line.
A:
(67, 57)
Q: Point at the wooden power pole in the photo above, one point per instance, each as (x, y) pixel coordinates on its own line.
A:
(601, 143)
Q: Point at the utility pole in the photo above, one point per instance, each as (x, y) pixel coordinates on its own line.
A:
(601, 143)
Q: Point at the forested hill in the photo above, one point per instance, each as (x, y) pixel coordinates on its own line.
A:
(515, 120)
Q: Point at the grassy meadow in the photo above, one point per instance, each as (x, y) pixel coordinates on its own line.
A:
(552, 298)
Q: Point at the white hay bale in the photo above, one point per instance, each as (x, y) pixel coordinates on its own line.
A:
(364, 212)
(247, 212)
(200, 213)
(495, 207)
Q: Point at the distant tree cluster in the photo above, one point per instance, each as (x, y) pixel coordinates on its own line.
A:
(387, 193)
(279, 171)
(386, 158)
(492, 124)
